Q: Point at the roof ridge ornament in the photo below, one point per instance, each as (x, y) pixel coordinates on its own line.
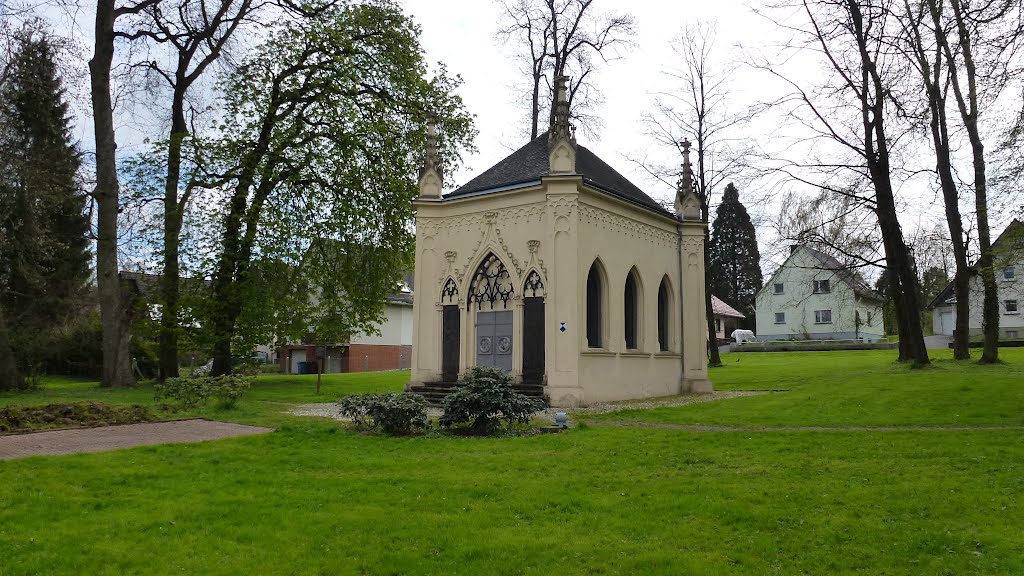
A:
(687, 203)
(562, 135)
(431, 172)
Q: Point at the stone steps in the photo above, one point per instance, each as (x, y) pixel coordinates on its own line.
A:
(436, 392)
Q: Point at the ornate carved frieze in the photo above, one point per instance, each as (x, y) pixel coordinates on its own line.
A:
(627, 227)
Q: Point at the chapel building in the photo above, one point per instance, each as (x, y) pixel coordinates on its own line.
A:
(555, 267)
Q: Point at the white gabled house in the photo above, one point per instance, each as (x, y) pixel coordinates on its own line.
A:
(1009, 267)
(812, 296)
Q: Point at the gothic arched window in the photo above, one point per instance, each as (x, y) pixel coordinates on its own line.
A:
(631, 309)
(491, 284)
(450, 292)
(664, 295)
(533, 286)
(595, 305)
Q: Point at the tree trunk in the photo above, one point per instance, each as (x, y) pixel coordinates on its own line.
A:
(906, 294)
(714, 357)
(969, 112)
(10, 377)
(173, 213)
(116, 361)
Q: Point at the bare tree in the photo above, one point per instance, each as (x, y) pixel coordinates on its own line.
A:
(115, 309)
(188, 36)
(921, 27)
(989, 29)
(699, 107)
(853, 109)
(564, 38)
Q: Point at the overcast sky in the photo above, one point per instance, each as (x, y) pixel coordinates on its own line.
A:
(461, 33)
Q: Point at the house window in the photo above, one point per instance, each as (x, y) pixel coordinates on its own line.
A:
(822, 287)
(630, 305)
(718, 324)
(1011, 334)
(780, 317)
(1011, 306)
(822, 316)
(663, 296)
(778, 288)
(1009, 273)
(594, 307)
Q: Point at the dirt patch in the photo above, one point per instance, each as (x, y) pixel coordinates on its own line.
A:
(116, 437)
(16, 419)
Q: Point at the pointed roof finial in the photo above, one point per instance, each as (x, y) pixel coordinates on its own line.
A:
(686, 177)
(560, 119)
(431, 175)
(687, 205)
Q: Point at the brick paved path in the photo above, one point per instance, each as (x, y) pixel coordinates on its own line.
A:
(115, 437)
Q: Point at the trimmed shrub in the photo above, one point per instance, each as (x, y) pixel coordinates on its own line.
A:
(485, 398)
(191, 392)
(398, 414)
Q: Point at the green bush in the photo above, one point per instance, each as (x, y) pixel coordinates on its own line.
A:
(486, 397)
(191, 392)
(356, 407)
(398, 414)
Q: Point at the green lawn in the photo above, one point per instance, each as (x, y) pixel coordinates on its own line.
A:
(855, 388)
(314, 498)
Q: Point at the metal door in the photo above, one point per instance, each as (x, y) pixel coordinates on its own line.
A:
(494, 339)
(450, 341)
(533, 339)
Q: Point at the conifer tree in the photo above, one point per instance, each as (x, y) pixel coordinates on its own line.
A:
(734, 257)
(44, 249)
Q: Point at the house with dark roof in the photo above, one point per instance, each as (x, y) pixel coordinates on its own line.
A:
(555, 267)
(727, 319)
(1008, 250)
(813, 296)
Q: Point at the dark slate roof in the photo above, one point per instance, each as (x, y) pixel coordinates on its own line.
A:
(947, 296)
(1013, 234)
(845, 274)
(530, 163)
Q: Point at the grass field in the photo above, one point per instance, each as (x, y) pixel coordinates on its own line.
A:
(314, 498)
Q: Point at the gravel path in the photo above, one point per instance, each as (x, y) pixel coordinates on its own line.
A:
(115, 437)
(330, 410)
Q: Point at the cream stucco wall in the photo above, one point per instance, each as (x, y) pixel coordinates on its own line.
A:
(799, 302)
(396, 329)
(559, 227)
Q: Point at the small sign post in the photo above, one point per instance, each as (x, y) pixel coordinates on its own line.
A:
(321, 353)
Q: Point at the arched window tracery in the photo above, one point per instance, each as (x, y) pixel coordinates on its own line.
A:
(534, 285)
(491, 284)
(450, 292)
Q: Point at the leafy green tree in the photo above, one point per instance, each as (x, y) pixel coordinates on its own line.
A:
(733, 255)
(315, 168)
(44, 248)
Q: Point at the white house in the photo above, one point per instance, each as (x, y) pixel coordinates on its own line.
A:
(1009, 267)
(812, 296)
(553, 266)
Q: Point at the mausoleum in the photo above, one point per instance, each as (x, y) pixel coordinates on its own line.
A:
(555, 267)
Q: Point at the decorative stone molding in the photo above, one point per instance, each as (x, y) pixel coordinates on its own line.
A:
(628, 227)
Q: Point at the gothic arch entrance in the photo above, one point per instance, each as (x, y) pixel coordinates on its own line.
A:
(533, 328)
(491, 290)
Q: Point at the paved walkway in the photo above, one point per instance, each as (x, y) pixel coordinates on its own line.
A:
(116, 437)
(937, 342)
